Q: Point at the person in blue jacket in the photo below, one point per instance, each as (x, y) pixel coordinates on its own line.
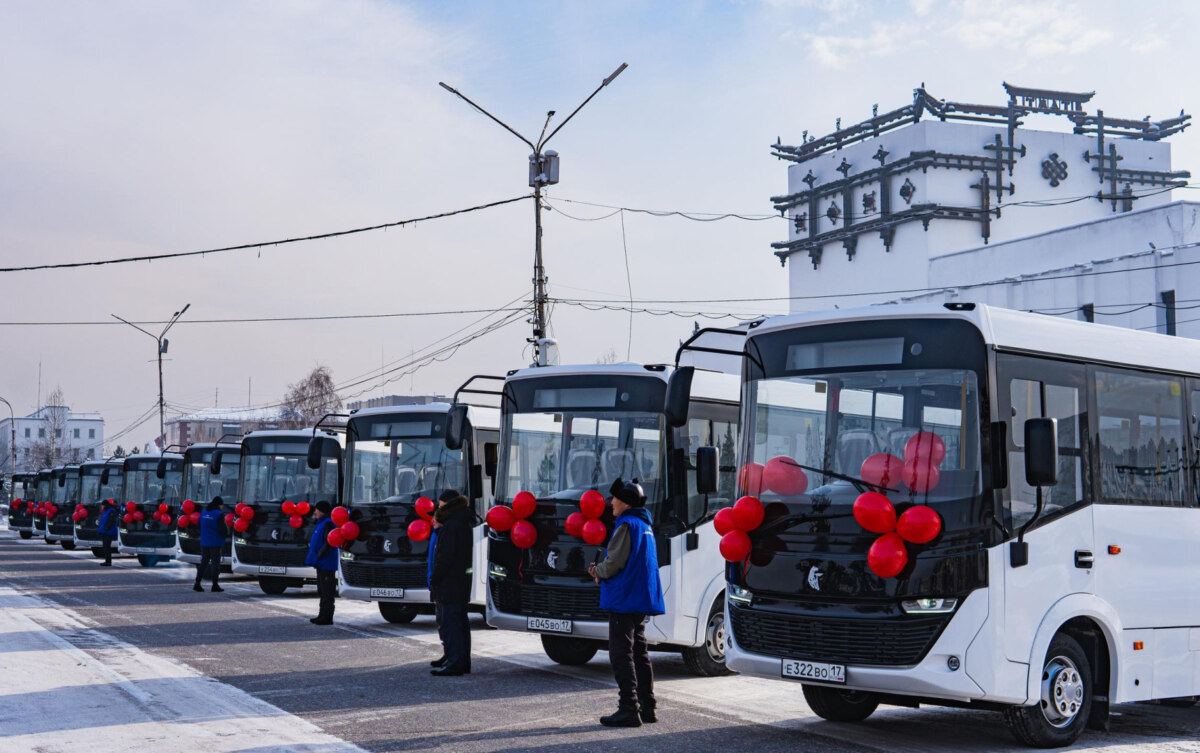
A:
(212, 541)
(630, 591)
(108, 531)
(433, 594)
(324, 558)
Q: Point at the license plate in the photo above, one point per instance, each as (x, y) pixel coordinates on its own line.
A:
(144, 550)
(546, 625)
(387, 593)
(271, 570)
(811, 670)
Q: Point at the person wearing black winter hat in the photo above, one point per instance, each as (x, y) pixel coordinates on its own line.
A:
(324, 558)
(450, 580)
(630, 590)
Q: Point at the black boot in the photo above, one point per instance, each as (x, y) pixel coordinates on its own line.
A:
(197, 587)
(647, 714)
(439, 662)
(625, 717)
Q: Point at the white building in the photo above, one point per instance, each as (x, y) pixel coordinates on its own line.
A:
(210, 424)
(952, 201)
(53, 429)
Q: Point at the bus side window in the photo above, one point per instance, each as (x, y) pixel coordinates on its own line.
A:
(695, 434)
(725, 439)
(1141, 438)
(1035, 399)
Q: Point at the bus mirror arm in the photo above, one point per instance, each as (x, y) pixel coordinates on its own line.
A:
(1041, 469)
(1018, 551)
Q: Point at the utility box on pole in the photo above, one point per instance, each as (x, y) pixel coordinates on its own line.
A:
(544, 171)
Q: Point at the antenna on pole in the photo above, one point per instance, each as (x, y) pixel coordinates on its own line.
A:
(543, 171)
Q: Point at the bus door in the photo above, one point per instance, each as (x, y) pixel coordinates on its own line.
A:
(1060, 542)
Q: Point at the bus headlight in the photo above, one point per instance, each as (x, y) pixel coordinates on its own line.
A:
(929, 606)
(497, 571)
(348, 556)
(738, 594)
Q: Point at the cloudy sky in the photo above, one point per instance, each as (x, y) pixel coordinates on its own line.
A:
(132, 128)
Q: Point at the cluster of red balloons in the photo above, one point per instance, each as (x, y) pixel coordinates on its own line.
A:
(163, 514)
(923, 454)
(734, 524)
(241, 517)
(132, 513)
(889, 554)
(781, 475)
(422, 528)
(15, 504)
(295, 512)
(586, 523)
(189, 515)
(345, 530)
(79, 514)
(514, 519)
(48, 509)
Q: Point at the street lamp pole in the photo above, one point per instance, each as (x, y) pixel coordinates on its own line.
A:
(543, 171)
(163, 344)
(12, 442)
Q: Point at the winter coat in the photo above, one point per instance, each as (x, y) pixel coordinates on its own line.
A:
(108, 521)
(636, 588)
(454, 554)
(320, 554)
(212, 528)
(433, 537)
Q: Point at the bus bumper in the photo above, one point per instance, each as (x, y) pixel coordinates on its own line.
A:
(194, 559)
(289, 573)
(931, 678)
(363, 593)
(147, 550)
(579, 628)
(88, 543)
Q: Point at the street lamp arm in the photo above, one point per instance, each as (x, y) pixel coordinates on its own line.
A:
(139, 329)
(174, 319)
(603, 84)
(498, 121)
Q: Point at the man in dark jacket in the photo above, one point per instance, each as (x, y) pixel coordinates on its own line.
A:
(630, 590)
(212, 541)
(108, 531)
(324, 558)
(451, 581)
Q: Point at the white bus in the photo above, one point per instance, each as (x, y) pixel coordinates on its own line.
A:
(43, 484)
(566, 430)
(151, 480)
(210, 469)
(64, 496)
(274, 470)
(1055, 577)
(20, 511)
(99, 481)
(395, 456)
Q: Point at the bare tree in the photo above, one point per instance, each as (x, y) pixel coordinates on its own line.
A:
(609, 356)
(308, 400)
(119, 452)
(53, 445)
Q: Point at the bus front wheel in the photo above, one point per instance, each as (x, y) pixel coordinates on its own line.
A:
(572, 652)
(397, 614)
(1066, 699)
(839, 705)
(68, 545)
(708, 659)
(272, 586)
(25, 534)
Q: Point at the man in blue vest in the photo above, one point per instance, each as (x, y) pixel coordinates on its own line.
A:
(324, 558)
(630, 590)
(212, 541)
(108, 531)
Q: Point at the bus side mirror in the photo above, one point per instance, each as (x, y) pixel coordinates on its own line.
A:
(62, 480)
(679, 394)
(160, 470)
(706, 470)
(490, 460)
(314, 453)
(1041, 451)
(456, 427)
(104, 477)
(476, 482)
(214, 463)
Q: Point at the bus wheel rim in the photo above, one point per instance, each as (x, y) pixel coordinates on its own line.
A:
(1062, 691)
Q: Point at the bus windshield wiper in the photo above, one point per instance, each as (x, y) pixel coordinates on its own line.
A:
(858, 483)
(787, 521)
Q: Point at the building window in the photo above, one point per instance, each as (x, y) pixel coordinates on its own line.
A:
(91, 454)
(58, 433)
(1168, 310)
(91, 433)
(76, 434)
(1089, 312)
(27, 432)
(41, 433)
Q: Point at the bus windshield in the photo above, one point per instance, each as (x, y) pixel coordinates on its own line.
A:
(68, 492)
(200, 486)
(861, 425)
(560, 455)
(43, 490)
(276, 477)
(89, 488)
(386, 471)
(144, 487)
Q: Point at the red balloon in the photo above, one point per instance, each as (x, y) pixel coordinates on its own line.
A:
(724, 522)
(783, 476)
(339, 515)
(288, 508)
(748, 513)
(523, 505)
(156, 515)
(925, 444)
(139, 515)
(335, 537)
(574, 524)
(184, 522)
(419, 530)
(194, 517)
(350, 530)
(591, 504)
(735, 546)
(303, 508)
(295, 521)
(882, 469)
(524, 535)
(887, 556)
(920, 474)
(163, 507)
(500, 518)
(875, 512)
(750, 478)
(241, 524)
(237, 509)
(919, 525)
(188, 506)
(247, 513)
(594, 532)
(425, 507)
(165, 520)
(229, 518)
(131, 506)
(127, 517)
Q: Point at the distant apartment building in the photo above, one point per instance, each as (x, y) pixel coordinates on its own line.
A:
(51, 435)
(210, 424)
(393, 400)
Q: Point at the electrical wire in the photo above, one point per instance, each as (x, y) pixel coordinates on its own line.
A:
(265, 244)
(628, 284)
(694, 216)
(248, 320)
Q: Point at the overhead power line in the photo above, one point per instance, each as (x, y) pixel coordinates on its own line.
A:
(265, 244)
(248, 320)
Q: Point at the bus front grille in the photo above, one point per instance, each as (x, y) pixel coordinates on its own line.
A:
(576, 603)
(277, 556)
(376, 575)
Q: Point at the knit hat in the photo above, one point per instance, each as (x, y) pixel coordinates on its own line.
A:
(631, 493)
(449, 495)
(323, 506)
(216, 502)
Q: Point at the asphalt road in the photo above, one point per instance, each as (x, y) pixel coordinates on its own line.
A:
(365, 683)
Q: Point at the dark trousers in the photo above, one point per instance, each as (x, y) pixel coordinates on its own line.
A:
(327, 590)
(631, 660)
(106, 548)
(210, 565)
(456, 635)
(437, 618)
